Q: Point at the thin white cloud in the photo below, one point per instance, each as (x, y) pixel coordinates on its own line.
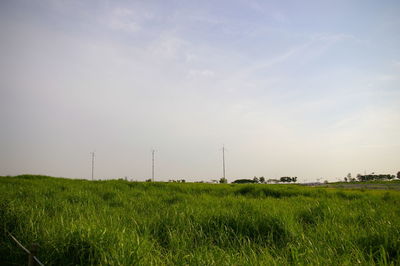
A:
(314, 47)
(129, 26)
(193, 73)
(122, 19)
(169, 46)
(386, 77)
(280, 17)
(396, 63)
(122, 12)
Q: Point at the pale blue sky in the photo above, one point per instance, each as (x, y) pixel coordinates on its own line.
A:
(292, 88)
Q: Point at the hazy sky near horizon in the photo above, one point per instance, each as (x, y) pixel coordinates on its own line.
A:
(291, 88)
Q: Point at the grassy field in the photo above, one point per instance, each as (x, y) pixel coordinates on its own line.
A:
(78, 222)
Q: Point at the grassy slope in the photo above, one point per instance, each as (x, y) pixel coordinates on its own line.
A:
(129, 223)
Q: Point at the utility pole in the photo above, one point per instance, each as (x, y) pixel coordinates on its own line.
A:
(92, 153)
(152, 165)
(223, 161)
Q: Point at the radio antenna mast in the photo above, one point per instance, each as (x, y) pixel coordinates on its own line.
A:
(152, 165)
(92, 153)
(223, 161)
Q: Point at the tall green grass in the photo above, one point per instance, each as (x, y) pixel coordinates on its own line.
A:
(78, 222)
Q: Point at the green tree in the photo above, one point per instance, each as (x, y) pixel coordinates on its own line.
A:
(243, 181)
(262, 180)
(223, 180)
(256, 180)
(285, 179)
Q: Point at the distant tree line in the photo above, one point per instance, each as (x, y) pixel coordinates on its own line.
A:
(370, 177)
(177, 181)
(244, 181)
(288, 179)
(261, 180)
